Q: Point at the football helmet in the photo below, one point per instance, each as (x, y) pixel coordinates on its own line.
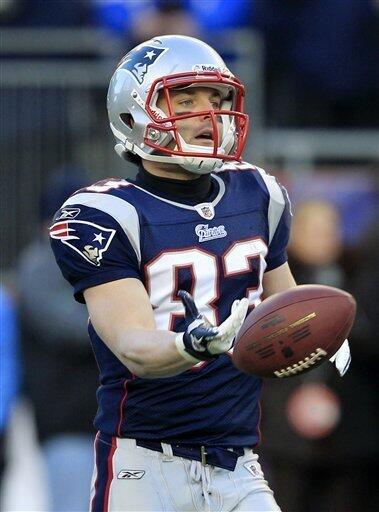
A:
(152, 70)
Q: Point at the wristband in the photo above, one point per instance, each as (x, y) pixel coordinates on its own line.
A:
(179, 343)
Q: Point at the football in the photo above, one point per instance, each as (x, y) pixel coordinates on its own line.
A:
(294, 331)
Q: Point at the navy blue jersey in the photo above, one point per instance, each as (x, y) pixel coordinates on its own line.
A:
(218, 251)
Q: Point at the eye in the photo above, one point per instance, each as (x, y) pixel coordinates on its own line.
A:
(186, 103)
(216, 105)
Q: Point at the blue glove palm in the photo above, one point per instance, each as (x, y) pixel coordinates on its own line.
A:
(197, 334)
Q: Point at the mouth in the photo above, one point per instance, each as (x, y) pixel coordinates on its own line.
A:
(205, 137)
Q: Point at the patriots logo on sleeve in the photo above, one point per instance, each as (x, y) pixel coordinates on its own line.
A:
(137, 62)
(88, 239)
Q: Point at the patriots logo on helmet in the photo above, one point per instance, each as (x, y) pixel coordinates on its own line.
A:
(86, 238)
(138, 61)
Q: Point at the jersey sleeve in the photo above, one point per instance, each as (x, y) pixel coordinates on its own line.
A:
(96, 239)
(279, 217)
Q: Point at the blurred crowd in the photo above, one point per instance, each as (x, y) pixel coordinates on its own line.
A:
(323, 53)
(58, 373)
(320, 437)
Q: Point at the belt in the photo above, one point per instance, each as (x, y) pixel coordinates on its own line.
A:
(221, 457)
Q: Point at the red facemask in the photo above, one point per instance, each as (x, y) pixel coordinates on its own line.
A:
(168, 124)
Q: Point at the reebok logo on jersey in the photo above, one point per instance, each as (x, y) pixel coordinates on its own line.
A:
(205, 233)
(85, 238)
(68, 213)
(130, 474)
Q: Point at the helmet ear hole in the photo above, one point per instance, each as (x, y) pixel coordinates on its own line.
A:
(127, 119)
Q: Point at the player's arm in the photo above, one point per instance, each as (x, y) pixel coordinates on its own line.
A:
(106, 269)
(278, 280)
(122, 316)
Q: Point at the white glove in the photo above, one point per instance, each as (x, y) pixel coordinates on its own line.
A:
(228, 330)
(342, 358)
(201, 342)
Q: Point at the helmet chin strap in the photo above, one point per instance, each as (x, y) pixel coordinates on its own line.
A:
(198, 164)
(201, 165)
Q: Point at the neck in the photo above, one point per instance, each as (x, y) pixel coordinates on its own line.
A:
(195, 189)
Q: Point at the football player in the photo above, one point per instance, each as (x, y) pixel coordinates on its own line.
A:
(168, 265)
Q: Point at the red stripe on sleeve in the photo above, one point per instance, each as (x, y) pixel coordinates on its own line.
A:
(57, 227)
(122, 407)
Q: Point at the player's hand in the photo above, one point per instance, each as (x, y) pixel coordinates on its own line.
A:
(202, 342)
(342, 358)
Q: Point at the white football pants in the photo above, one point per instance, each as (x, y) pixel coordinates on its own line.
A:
(134, 479)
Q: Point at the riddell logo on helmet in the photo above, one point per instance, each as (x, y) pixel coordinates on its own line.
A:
(209, 67)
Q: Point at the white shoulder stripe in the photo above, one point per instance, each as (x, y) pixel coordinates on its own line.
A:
(277, 202)
(122, 211)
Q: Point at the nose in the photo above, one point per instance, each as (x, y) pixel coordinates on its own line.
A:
(207, 106)
(204, 117)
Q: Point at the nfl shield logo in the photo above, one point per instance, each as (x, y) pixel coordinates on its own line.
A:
(205, 210)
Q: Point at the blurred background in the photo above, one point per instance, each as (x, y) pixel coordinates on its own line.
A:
(311, 71)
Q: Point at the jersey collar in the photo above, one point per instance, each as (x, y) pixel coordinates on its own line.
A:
(190, 192)
(205, 208)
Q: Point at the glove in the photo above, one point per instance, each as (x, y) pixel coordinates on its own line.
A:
(342, 358)
(202, 342)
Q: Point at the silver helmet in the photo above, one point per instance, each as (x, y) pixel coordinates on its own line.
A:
(154, 68)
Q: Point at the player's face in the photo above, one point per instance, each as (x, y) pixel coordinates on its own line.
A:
(195, 130)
